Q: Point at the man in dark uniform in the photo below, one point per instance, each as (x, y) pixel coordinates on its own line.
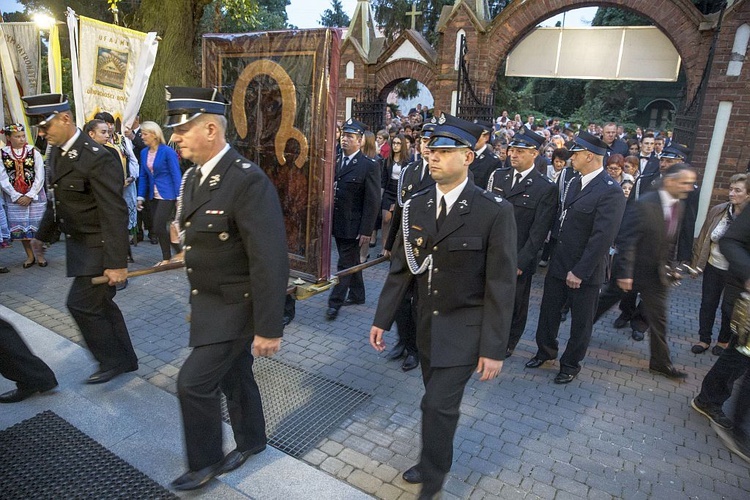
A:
(458, 243)
(485, 161)
(414, 178)
(591, 214)
(648, 244)
(534, 199)
(237, 265)
(355, 209)
(18, 363)
(89, 209)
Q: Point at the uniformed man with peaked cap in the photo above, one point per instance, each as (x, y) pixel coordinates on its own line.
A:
(457, 245)
(485, 161)
(534, 199)
(89, 209)
(237, 266)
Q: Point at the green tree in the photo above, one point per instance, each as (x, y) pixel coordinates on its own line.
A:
(335, 17)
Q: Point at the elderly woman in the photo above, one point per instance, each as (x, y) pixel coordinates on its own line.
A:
(708, 257)
(22, 182)
(159, 183)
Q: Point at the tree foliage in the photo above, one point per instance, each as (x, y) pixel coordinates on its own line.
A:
(335, 17)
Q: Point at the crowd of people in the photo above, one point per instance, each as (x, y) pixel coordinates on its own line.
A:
(468, 211)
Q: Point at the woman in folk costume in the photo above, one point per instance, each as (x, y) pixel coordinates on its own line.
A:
(131, 170)
(22, 182)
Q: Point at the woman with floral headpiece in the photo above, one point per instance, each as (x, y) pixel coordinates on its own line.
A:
(22, 182)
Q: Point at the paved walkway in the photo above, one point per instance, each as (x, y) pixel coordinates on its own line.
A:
(617, 431)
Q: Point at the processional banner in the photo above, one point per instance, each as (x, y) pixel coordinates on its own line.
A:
(114, 65)
(20, 66)
(283, 88)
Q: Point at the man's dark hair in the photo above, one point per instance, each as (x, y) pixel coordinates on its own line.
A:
(104, 116)
(677, 169)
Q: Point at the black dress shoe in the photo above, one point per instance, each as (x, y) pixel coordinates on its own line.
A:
(198, 479)
(17, 395)
(637, 336)
(413, 475)
(287, 319)
(351, 302)
(621, 321)
(397, 351)
(535, 363)
(235, 458)
(4, 270)
(668, 371)
(332, 313)
(639, 325)
(564, 378)
(411, 362)
(102, 376)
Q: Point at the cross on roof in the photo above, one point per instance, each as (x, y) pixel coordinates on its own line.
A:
(413, 14)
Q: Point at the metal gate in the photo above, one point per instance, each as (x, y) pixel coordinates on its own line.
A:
(369, 109)
(472, 105)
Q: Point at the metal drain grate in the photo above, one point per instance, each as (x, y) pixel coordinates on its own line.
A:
(300, 407)
(46, 457)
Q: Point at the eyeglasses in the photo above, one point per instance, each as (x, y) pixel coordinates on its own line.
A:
(396, 143)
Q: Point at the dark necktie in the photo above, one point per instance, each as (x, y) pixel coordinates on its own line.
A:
(197, 181)
(345, 163)
(443, 213)
(518, 179)
(672, 220)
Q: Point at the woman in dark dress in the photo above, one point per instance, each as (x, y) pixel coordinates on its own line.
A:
(397, 160)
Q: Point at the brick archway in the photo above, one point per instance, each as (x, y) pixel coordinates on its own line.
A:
(678, 19)
(394, 72)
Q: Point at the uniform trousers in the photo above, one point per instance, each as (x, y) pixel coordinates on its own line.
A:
(18, 363)
(520, 309)
(225, 367)
(583, 302)
(101, 324)
(354, 284)
(406, 322)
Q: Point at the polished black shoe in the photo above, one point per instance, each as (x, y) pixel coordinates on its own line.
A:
(668, 371)
(638, 325)
(236, 458)
(637, 336)
(397, 351)
(350, 302)
(287, 319)
(621, 321)
(714, 413)
(412, 475)
(154, 240)
(717, 350)
(198, 479)
(699, 348)
(535, 363)
(122, 286)
(410, 362)
(17, 395)
(332, 313)
(4, 270)
(564, 378)
(102, 376)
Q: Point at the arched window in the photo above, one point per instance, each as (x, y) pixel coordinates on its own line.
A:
(739, 49)
(459, 40)
(350, 70)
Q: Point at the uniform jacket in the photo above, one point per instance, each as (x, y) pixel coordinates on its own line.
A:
(618, 147)
(356, 198)
(534, 202)
(88, 208)
(644, 248)
(235, 253)
(591, 220)
(473, 276)
(412, 181)
(483, 166)
(166, 176)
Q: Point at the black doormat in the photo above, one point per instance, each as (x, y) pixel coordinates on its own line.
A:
(300, 407)
(45, 457)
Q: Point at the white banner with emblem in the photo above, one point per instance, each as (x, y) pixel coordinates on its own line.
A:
(114, 66)
(20, 67)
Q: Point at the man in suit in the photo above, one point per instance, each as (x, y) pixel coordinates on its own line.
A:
(614, 144)
(89, 209)
(458, 243)
(237, 266)
(18, 363)
(648, 244)
(591, 214)
(414, 178)
(534, 199)
(355, 209)
(485, 161)
(732, 364)
(649, 162)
